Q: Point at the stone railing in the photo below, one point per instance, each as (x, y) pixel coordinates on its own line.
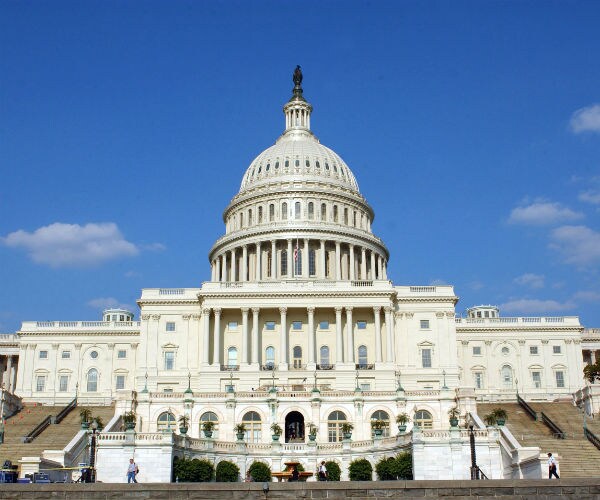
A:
(283, 393)
(129, 326)
(523, 321)
(170, 294)
(8, 338)
(299, 283)
(438, 290)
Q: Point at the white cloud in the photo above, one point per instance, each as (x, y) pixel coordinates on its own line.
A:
(475, 285)
(72, 245)
(590, 196)
(107, 303)
(579, 245)
(531, 280)
(154, 247)
(438, 282)
(587, 296)
(586, 119)
(535, 306)
(542, 213)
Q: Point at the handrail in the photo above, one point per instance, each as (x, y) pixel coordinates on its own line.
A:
(558, 432)
(477, 473)
(527, 408)
(591, 437)
(65, 411)
(38, 429)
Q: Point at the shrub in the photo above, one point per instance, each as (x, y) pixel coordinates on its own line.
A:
(404, 465)
(193, 471)
(227, 472)
(385, 469)
(360, 470)
(260, 472)
(333, 471)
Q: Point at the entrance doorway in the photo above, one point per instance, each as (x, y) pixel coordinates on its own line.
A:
(294, 427)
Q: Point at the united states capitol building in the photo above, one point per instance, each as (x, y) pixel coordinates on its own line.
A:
(301, 326)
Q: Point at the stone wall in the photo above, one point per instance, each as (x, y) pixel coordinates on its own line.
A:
(582, 489)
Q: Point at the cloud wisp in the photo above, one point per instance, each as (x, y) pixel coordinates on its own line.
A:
(586, 120)
(535, 306)
(590, 196)
(543, 213)
(72, 245)
(530, 280)
(107, 303)
(579, 245)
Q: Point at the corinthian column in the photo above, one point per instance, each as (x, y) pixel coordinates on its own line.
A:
(338, 274)
(389, 326)
(363, 264)
(351, 275)
(217, 338)
(244, 356)
(283, 336)
(233, 265)
(311, 334)
(273, 259)
(349, 336)
(244, 276)
(258, 262)
(290, 260)
(339, 347)
(205, 335)
(322, 270)
(373, 270)
(377, 317)
(255, 312)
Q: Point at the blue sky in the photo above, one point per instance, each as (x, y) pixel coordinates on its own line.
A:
(473, 129)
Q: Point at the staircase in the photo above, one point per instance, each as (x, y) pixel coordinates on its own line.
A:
(576, 456)
(54, 437)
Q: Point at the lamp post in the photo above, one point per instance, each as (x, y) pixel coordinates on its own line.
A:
(474, 468)
(444, 375)
(92, 475)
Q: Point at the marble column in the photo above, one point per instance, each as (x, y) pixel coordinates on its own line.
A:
(274, 259)
(339, 348)
(233, 265)
(363, 264)
(352, 275)
(217, 338)
(255, 346)
(244, 276)
(290, 259)
(244, 356)
(258, 262)
(9, 371)
(311, 334)
(206, 335)
(373, 270)
(388, 327)
(377, 317)
(283, 336)
(224, 266)
(384, 269)
(305, 260)
(322, 270)
(338, 273)
(380, 267)
(349, 336)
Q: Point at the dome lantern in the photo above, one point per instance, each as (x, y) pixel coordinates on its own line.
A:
(297, 110)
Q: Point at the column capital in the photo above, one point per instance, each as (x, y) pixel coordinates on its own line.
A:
(111, 346)
(311, 309)
(196, 316)
(217, 311)
(156, 317)
(439, 315)
(283, 310)
(387, 309)
(338, 310)
(206, 311)
(186, 316)
(245, 310)
(255, 310)
(376, 309)
(56, 346)
(349, 309)
(146, 317)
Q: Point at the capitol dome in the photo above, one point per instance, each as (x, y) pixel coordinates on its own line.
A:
(298, 213)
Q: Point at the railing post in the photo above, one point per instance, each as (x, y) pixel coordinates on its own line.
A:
(474, 468)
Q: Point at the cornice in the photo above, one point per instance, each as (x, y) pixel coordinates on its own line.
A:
(95, 333)
(274, 295)
(430, 298)
(519, 329)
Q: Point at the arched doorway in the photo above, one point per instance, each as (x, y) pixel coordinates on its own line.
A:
(294, 427)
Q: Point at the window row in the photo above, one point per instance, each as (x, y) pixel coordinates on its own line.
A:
(43, 354)
(534, 350)
(508, 381)
(92, 380)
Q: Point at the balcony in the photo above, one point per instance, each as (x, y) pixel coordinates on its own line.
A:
(365, 366)
(268, 367)
(230, 368)
(325, 366)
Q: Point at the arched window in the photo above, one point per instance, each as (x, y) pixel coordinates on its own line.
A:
(297, 354)
(384, 416)
(323, 211)
(362, 356)
(260, 215)
(284, 213)
(270, 358)
(335, 213)
(250, 217)
(166, 421)
(241, 220)
(271, 212)
(423, 419)
(334, 426)
(92, 380)
(232, 357)
(297, 210)
(312, 267)
(284, 266)
(253, 426)
(346, 216)
(269, 257)
(209, 416)
(507, 377)
(298, 261)
(311, 210)
(354, 219)
(324, 355)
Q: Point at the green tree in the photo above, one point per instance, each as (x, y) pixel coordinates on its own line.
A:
(260, 472)
(333, 471)
(404, 465)
(592, 372)
(385, 469)
(193, 471)
(227, 472)
(360, 470)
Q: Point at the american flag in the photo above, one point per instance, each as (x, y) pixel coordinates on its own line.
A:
(296, 252)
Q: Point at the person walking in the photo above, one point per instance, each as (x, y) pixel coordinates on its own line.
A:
(552, 467)
(322, 471)
(132, 470)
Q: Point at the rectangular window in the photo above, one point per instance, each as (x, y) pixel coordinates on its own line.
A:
(296, 325)
(43, 354)
(365, 386)
(426, 358)
(536, 378)
(120, 382)
(533, 350)
(269, 325)
(233, 325)
(556, 349)
(324, 325)
(170, 327)
(63, 383)
(121, 317)
(361, 325)
(424, 324)
(169, 360)
(478, 380)
(560, 379)
(65, 355)
(40, 383)
(477, 351)
(121, 354)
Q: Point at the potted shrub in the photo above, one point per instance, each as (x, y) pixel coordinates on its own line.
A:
(99, 423)
(489, 419)
(184, 423)
(129, 419)
(378, 426)
(86, 417)
(240, 431)
(312, 432)
(402, 419)
(207, 428)
(276, 430)
(453, 413)
(500, 415)
(347, 430)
